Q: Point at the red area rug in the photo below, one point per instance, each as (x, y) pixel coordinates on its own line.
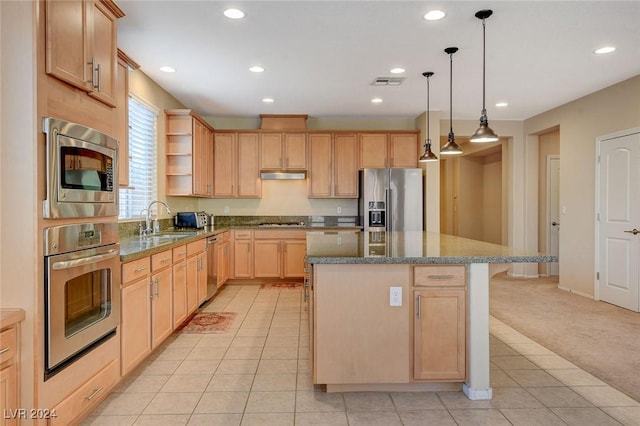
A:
(285, 285)
(208, 323)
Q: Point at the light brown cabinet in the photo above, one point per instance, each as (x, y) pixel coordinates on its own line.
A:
(196, 274)
(189, 154)
(135, 313)
(9, 375)
(333, 165)
(180, 307)
(279, 254)
(146, 307)
(380, 150)
(439, 323)
(224, 266)
(122, 123)
(236, 165)
(81, 46)
(283, 151)
(242, 254)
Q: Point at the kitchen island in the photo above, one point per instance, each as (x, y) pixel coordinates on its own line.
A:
(402, 310)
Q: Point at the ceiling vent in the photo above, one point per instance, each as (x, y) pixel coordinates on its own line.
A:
(388, 81)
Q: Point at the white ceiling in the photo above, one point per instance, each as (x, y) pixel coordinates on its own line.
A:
(321, 56)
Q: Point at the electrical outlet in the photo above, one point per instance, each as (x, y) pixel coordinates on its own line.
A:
(226, 209)
(395, 296)
(339, 210)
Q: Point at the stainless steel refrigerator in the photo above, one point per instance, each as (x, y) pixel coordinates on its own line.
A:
(391, 200)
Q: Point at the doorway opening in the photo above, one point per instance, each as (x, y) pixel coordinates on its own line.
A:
(473, 193)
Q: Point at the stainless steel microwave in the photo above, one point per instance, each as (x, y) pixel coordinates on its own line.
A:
(82, 171)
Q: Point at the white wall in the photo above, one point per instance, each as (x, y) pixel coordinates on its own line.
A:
(18, 218)
(581, 122)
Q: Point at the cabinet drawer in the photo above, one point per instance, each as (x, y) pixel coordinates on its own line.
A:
(179, 254)
(225, 236)
(8, 343)
(86, 396)
(280, 234)
(439, 276)
(162, 260)
(242, 235)
(134, 270)
(196, 247)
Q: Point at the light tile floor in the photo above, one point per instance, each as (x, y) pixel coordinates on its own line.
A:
(257, 373)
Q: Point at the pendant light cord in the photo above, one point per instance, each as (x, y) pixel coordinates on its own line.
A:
(450, 93)
(428, 133)
(484, 109)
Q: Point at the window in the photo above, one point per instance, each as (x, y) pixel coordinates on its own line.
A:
(143, 121)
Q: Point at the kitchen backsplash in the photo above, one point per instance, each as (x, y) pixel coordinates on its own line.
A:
(132, 229)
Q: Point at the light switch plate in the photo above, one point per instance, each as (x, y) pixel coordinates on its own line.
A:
(395, 296)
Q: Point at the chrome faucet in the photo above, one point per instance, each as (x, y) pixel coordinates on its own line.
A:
(148, 230)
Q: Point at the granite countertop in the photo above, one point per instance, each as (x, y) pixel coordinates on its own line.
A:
(132, 248)
(9, 317)
(410, 247)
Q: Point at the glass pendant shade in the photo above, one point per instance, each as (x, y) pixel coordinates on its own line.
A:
(484, 132)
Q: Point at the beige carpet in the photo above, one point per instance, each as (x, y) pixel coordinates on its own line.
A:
(598, 337)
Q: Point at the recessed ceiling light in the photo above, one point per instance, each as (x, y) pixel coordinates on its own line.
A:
(234, 14)
(603, 50)
(376, 100)
(397, 70)
(267, 100)
(502, 104)
(434, 15)
(167, 69)
(256, 69)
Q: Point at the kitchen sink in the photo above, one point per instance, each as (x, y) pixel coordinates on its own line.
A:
(168, 237)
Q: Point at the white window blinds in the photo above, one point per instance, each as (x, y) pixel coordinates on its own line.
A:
(143, 175)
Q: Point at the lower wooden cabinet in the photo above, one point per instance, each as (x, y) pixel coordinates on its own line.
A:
(223, 262)
(161, 306)
(439, 323)
(135, 320)
(180, 308)
(8, 376)
(279, 254)
(86, 397)
(242, 254)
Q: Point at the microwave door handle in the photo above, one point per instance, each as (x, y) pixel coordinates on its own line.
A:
(85, 260)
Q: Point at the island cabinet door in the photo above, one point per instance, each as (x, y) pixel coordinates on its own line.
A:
(359, 338)
(439, 333)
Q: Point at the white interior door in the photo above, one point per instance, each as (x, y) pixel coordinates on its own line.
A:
(553, 211)
(619, 210)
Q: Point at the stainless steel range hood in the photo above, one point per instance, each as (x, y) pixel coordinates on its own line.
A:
(283, 174)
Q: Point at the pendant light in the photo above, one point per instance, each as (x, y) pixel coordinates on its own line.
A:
(451, 147)
(484, 132)
(428, 154)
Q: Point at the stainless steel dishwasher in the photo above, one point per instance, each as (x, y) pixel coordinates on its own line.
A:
(212, 266)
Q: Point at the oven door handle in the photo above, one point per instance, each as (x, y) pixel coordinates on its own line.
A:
(85, 260)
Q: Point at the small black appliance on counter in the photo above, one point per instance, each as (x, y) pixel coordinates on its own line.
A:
(196, 220)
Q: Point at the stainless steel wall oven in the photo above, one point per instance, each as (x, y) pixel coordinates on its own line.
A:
(81, 291)
(82, 171)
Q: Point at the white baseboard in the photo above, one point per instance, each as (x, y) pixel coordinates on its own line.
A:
(477, 394)
(579, 293)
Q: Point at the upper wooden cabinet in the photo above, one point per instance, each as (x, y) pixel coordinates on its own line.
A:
(236, 165)
(380, 150)
(333, 165)
(283, 151)
(81, 45)
(189, 154)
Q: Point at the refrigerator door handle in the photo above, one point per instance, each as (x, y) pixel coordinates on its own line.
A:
(388, 208)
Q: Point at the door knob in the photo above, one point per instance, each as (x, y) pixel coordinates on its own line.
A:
(634, 231)
(554, 223)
